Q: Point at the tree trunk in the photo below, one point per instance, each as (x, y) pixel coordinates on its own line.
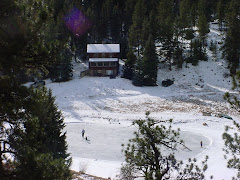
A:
(158, 174)
(1, 163)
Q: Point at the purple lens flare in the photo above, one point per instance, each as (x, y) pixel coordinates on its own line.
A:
(77, 22)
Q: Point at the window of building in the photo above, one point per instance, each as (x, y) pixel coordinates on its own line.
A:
(109, 72)
(93, 64)
(112, 63)
(100, 63)
(106, 63)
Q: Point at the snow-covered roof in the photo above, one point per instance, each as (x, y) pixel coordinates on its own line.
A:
(103, 59)
(103, 48)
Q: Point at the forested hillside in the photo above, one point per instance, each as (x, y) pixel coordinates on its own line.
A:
(40, 39)
(49, 34)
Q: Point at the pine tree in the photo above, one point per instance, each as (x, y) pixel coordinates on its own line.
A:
(62, 70)
(185, 14)
(232, 42)
(150, 63)
(153, 23)
(12, 97)
(178, 57)
(128, 68)
(197, 52)
(203, 27)
(143, 153)
(146, 30)
(78, 42)
(23, 43)
(79, 47)
(135, 31)
(165, 19)
(202, 7)
(26, 44)
(206, 8)
(183, 23)
(193, 12)
(202, 24)
(220, 13)
(38, 141)
(232, 147)
(138, 75)
(104, 20)
(116, 21)
(34, 132)
(230, 137)
(128, 18)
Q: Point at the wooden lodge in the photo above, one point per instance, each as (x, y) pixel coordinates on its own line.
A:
(103, 59)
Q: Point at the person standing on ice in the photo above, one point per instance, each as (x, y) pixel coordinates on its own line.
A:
(83, 132)
(201, 143)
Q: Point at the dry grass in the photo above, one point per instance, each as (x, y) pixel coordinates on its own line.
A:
(83, 176)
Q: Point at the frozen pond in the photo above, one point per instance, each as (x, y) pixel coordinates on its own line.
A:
(105, 141)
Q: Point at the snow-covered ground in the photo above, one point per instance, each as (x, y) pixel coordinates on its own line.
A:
(105, 108)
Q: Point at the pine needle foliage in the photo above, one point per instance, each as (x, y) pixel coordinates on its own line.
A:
(231, 136)
(146, 155)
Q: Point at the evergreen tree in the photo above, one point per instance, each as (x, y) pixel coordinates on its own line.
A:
(62, 70)
(232, 148)
(230, 137)
(197, 52)
(203, 27)
(202, 7)
(116, 21)
(193, 12)
(178, 57)
(138, 75)
(146, 30)
(150, 63)
(79, 47)
(22, 34)
(69, 41)
(78, 42)
(185, 14)
(128, 18)
(212, 6)
(232, 42)
(143, 153)
(11, 100)
(104, 20)
(202, 23)
(206, 8)
(220, 13)
(153, 23)
(135, 31)
(26, 44)
(128, 68)
(38, 141)
(165, 19)
(34, 132)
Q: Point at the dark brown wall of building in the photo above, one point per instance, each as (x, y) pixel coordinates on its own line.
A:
(103, 55)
